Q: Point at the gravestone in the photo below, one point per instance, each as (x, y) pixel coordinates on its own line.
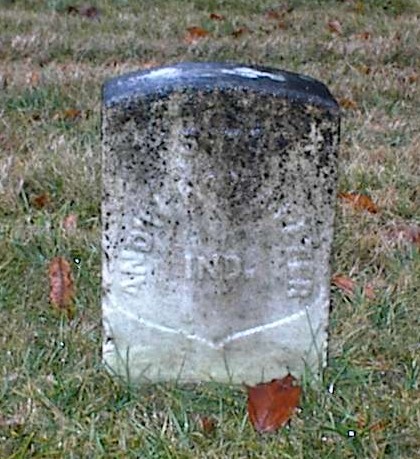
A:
(218, 203)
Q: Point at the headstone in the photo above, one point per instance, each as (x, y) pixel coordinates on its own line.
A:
(219, 184)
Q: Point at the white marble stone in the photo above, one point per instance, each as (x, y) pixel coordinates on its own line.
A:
(218, 207)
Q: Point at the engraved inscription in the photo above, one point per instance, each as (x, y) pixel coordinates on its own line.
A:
(226, 267)
(133, 260)
(300, 261)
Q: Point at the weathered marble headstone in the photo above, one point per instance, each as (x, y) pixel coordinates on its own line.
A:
(219, 188)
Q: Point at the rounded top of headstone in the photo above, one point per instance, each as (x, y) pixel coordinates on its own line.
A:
(216, 75)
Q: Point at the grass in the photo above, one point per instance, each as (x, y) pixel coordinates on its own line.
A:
(56, 399)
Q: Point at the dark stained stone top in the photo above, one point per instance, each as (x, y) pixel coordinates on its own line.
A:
(215, 75)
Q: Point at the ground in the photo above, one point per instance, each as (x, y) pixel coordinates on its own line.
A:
(56, 399)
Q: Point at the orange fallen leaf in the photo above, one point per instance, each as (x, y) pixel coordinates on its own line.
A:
(348, 286)
(195, 34)
(70, 223)
(344, 283)
(41, 200)
(335, 26)
(413, 78)
(70, 114)
(149, 64)
(61, 285)
(347, 103)
(216, 17)
(364, 36)
(270, 405)
(207, 424)
(359, 201)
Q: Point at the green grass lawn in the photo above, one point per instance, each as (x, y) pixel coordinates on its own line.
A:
(56, 398)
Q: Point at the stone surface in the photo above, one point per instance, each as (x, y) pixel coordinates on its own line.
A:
(218, 203)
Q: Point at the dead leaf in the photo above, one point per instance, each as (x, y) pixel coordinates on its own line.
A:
(364, 36)
(70, 223)
(270, 405)
(335, 26)
(405, 232)
(348, 104)
(348, 286)
(32, 79)
(87, 11)
(70, 114)
(413, 78)
(344, 283)
(207, 424)
(149, 64)
(194, 34)
(359, 7)
(369, 291)
(90, 12)
(278, 13)
(216, 17)
(359, 201)
(364, 69)
(61, 285)
(41, 200)
(239, 31)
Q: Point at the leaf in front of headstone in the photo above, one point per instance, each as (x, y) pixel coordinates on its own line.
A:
(61, 285)
(216, 17)
(270, 405)
(194, 34)
(335, 26)
(359, 201)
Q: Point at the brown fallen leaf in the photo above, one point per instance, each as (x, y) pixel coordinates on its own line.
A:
(87, 11)
(270, 405)
(61, 285)
(149, 64)
(216, 17)
(348, 286)
(70, 114)
(348, 104)
(344, 283)
(194, 34)
(335, 26)
(32, 79)
(405, 232)
(207, 424)
(70, 223)
(41, 200)
(359, 201)
(239, 31)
